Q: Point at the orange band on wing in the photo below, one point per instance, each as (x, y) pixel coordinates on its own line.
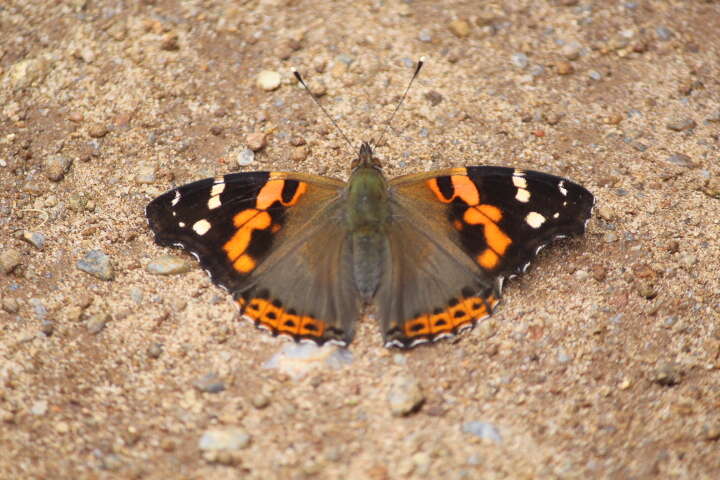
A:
(463, 188)
(266, 314)
(496, 239)
(247, 221)
(465, 312)
(272, 192)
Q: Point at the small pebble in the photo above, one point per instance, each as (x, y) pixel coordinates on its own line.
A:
(405, 395)
(680, 159)
(714, 118)
(260, 401)
(37, 240)
(297, 141)
(10, 305)
(154, 350)
(97, 264)
(599, 273)
(209, 383)
(167, 265)
(299, 154)
(256, 141)
(345, 58)
(97, 323)
(424, 36)
(486, 431)
(711, 431)
(605, 213)
(688, 260)
(97, 130)
(170, 42)
(667, 374)
(56, 166)
(581, 275)
(246, 157)
(563, 357)
(645, 289)
(145, 175)
(268, 80)
(230, 438)
(563, 67)
(610, 237)
(47, 327)
(460, 28)
(680, 124)
(434, 97)
(136, 295)
(595, 75)
(570, 51)
(216, 130)
(663, 33)
(520, 60)
(39, 408)
(9, 260)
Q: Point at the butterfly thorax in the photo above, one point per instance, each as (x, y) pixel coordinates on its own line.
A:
(368, 212)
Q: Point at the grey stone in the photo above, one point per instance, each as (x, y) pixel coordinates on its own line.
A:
(35, 239)
(56, 166)
(209, 383)
(486, 431)
(167, 265)
(97, 264)
(230, 438)
(520, 60)
(246, 157)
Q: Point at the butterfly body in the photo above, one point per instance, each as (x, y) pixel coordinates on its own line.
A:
(303, 255)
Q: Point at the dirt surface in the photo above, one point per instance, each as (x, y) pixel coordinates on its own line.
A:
(602, 361)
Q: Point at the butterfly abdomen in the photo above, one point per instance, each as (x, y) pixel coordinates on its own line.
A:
(368, 212)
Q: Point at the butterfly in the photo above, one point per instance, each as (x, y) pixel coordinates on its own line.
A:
(303, 255)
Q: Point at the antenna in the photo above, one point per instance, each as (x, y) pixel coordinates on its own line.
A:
(419, 65)
(302, 82)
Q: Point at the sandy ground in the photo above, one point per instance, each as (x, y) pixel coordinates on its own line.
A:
(603, 361)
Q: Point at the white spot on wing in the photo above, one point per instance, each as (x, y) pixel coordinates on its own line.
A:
(214, 202)
(201, 227)
(534, 219)
(561, 187)
(176, 199)
(519, 180)
(556, 215)
(522, 195)
(181, 224)
(217, 189)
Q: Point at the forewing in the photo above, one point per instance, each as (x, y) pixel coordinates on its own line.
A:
(457, 233)
(257, 235)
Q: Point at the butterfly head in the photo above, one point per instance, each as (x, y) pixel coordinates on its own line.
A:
(366, 158)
